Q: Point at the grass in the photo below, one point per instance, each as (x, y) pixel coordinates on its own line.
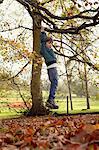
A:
(79, 104)
(9, 115)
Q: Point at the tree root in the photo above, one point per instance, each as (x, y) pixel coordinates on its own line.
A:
(34, 112)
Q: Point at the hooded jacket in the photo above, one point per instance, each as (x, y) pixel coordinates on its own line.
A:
(46, 52)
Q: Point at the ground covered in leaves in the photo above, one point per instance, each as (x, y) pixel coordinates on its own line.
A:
(79, 132)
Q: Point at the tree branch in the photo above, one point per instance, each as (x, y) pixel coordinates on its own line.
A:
(29, 4)
(74, 57)
(26, 5)
(1, 1)
(21, 94)
(18, 72)
(62, 18)
(11, 29)
(73, 30)
(43, 3)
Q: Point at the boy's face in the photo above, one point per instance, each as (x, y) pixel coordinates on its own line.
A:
(48, 44)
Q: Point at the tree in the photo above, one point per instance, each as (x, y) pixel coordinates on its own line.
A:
(83, 47)
(68, 75)
(37, 104)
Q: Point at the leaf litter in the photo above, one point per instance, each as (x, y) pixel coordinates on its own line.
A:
(79, 132)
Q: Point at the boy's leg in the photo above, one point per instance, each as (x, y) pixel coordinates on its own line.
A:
(53, 77)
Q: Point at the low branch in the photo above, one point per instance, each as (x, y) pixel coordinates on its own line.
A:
(18, 72)
(74, 57)
(73, 30)
(21, 94)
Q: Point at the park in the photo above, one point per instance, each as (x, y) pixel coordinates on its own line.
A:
(71, 121)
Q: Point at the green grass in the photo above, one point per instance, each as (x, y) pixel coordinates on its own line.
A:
(9, 114)
(79, 104)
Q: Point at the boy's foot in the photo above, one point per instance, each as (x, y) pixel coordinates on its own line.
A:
(51, 105)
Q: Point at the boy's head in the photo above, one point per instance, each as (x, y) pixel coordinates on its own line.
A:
(49, 42)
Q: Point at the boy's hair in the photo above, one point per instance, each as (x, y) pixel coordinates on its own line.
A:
(49, 39)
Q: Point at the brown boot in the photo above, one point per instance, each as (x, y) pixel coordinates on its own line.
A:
(51, 104)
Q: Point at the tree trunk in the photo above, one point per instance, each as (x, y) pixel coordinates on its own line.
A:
(68, 79)
(69, 88)
(86, 87)
(36, 93)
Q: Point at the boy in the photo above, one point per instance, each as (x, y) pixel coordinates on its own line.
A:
(50, 60)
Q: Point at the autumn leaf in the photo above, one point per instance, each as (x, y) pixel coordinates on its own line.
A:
(59, 133)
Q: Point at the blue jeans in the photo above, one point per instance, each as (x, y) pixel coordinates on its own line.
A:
(53, 77)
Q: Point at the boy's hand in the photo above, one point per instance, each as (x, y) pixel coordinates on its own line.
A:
(42, 29)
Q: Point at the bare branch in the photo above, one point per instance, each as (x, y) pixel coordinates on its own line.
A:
(21, 94)
(73, 30)
(74, 57)
(63, 18)
(18, 72)
(11, 29)
(43, 3)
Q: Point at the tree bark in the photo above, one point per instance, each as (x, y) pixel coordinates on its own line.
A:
(86, 87)
(36, 93)
(69, 88)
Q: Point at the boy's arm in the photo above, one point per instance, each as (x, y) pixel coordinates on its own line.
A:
(43, 35)
(43, 41)
(43, 50)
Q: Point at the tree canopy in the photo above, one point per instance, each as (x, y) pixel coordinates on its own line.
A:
(85, 14)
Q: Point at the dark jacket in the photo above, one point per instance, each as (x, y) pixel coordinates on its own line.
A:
(47, 53)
